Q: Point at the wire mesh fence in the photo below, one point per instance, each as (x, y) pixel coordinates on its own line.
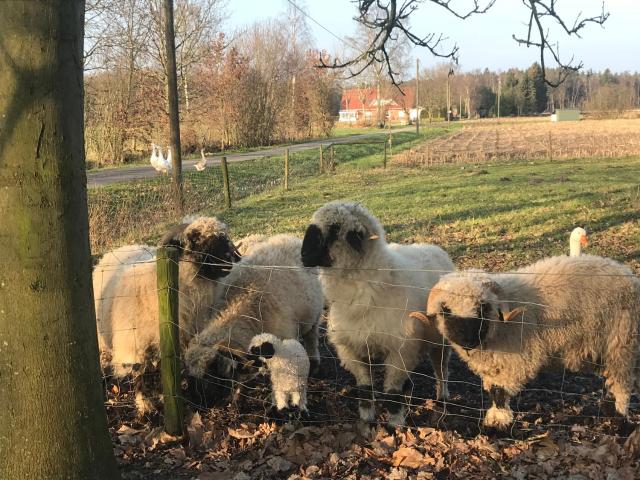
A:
(138, 209)
(558, 398)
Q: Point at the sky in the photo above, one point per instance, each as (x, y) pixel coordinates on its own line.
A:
(484, 40)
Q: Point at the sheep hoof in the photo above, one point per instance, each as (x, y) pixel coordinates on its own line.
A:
(499, 418)
(367, 412)
(442, 394)
(397, 418)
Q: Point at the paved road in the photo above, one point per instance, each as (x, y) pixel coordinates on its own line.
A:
(119, 175)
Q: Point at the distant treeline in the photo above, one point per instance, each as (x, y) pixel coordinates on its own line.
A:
(524, 92)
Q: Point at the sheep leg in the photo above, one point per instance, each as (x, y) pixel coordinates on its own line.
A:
(398, 384)
(439, 357)
(360, 369)
(620, 367)
(500, 414)
(280, 398)
(299, 398)
(310, 340)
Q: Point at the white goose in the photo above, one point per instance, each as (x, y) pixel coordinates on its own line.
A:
(577, 240)
(155, 160)
(164, 166)
(202, 164)
(169, 161)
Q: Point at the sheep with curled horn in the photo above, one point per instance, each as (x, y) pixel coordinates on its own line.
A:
(267, 291)
(584, 311)
(371, 286)
(126, 296)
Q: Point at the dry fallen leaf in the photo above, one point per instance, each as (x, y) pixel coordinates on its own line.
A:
(407, 457)
(279, 464)
(241, 433)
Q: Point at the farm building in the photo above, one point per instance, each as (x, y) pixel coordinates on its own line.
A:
(360, 105)
(566, 115)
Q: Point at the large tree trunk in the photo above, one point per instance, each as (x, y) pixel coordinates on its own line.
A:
(172, 95)
(52, 419)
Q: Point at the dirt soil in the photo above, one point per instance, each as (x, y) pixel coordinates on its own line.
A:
(477, 143)
(561, 431)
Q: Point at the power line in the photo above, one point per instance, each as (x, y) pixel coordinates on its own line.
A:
(348, 44)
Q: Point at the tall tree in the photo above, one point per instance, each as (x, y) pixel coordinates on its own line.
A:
(540, 87)
(52, 420)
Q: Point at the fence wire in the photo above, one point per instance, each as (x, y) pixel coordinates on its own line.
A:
(556, 399)
(124, 208)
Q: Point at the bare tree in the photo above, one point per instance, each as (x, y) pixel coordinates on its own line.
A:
(388, 20)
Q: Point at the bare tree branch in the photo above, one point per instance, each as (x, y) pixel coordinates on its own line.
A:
(542, 10)
(388, 20)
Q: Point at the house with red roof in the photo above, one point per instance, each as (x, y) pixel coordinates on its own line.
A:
(360, 105)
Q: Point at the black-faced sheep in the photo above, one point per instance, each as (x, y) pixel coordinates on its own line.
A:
(371, 287)
(506, 327)
(288, 366)
(268, 291)
(126, 295)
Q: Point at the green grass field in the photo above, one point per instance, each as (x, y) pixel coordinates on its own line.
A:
(492, 216)
(139, 211)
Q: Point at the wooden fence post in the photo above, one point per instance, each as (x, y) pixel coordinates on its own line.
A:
(384, 159)
(332, 165)
(321, 160)
(168, 298)
(286, 169)
(225, 182)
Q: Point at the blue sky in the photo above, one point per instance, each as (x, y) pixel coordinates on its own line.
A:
(484, 40)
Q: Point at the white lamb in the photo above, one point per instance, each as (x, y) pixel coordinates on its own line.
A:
(126, 295)
(268, 291)
(371, 287)
(288, 365)
(583, 310)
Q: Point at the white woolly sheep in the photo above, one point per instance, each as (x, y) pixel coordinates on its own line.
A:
(288, 365)
(371, 287)
(246, 244)
(506, 327)
(267, 291)
(126, 295)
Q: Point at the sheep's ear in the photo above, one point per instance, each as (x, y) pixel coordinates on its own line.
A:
(510, 315)
(174, 237)
(354, 239)
(312, 246)
(428, 320)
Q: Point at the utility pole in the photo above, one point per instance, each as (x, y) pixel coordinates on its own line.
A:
(417, 96)
(449, 95)
(174, 113)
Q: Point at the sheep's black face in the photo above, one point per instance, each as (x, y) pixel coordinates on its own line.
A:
(264, 350)
(215, 254)
(468, 332)
(316, 246)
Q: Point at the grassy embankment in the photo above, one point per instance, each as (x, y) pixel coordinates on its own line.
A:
(492, 216)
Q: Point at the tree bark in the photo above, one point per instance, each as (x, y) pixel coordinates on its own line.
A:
(174, 113)
(52, 419)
